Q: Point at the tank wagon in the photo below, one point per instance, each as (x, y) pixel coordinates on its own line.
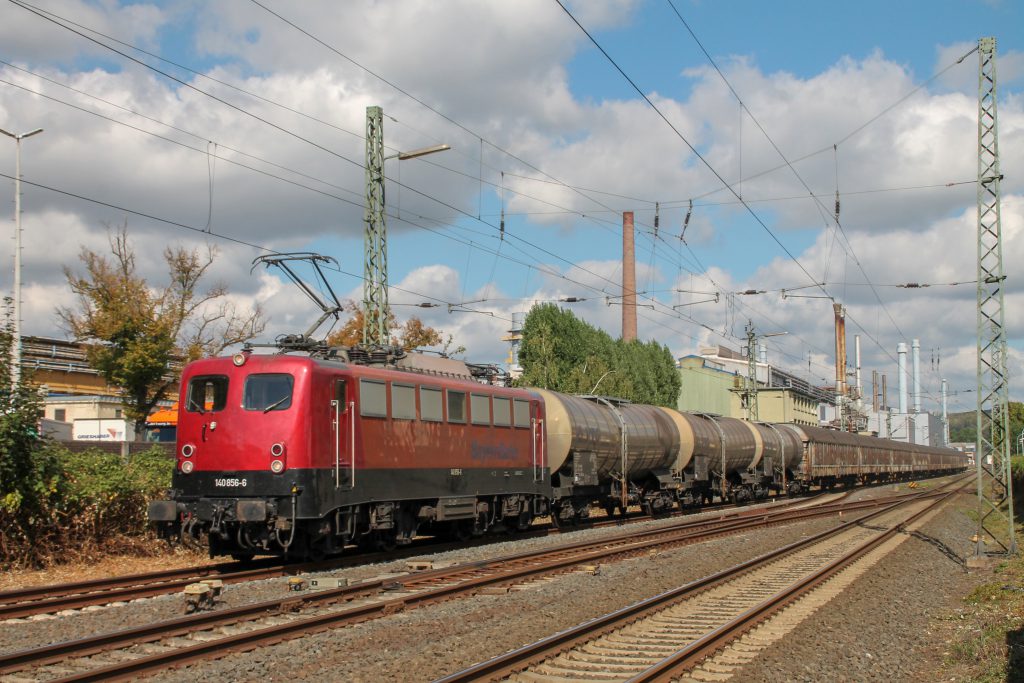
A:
(304, 454)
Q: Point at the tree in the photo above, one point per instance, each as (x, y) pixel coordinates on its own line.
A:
(140, 333)
(413, 334)
(563, 353)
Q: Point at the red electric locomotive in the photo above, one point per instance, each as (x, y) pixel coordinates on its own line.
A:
(304, 454)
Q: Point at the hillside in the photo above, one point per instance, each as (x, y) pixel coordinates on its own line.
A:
(962, 426)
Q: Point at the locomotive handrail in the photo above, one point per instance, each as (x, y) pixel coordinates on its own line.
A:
(336, 425)
(537, 427)
(352, 438)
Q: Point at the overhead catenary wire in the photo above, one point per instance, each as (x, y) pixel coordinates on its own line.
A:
(653, 243)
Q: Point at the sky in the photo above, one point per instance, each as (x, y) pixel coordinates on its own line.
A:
(240, 125)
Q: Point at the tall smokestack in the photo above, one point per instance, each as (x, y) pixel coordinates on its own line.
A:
(628, 279)
(916, 362)
(840, 355)
(901, 369)
(945, 414)
(874, 391)
(856, 356)
(885, 394)
(763, 351)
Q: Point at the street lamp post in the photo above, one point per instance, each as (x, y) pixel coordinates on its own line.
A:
(16, 360)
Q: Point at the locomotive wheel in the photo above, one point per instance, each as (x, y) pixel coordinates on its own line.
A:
(525, 520)
(385, 541)
(461, 531)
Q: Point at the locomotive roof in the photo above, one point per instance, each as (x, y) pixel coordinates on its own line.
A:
(285, 362)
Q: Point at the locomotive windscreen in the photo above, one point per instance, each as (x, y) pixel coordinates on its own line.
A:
(269, 391)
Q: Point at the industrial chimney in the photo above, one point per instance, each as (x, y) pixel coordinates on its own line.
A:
(628, 279)
(840, 356)
(901, 370)
(916, 362)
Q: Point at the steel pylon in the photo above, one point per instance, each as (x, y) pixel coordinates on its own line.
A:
(996, 534)
(375, 241)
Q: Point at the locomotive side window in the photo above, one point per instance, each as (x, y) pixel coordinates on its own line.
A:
(268, 391)
(403, 402)
(430, 404)
(521, 410)
(207, 394)
(456, 406)
(502, 412)
(480, 409)
(373, 398)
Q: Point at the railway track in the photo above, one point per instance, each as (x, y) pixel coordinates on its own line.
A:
(206, 635)
(684, 634)
(37, 600)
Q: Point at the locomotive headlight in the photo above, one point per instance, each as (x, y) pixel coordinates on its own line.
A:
(277, 450)
(276, 466)
(187, 450)
(187, 466)
(239, 359)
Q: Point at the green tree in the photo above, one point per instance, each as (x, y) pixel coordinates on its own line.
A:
(140, 332)
(562, 353)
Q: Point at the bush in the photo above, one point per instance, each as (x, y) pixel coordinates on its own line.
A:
(84, 503)
(106, 498)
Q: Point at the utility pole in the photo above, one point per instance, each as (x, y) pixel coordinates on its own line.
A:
(751, 388)
(16, 361)
(995, 491)
(375, 238)
(752, 413)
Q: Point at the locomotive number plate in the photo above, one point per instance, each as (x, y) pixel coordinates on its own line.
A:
(229, 482)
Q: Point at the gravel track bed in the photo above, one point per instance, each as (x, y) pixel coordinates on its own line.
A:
(20, 634)
(881, 628)
(429, 642)
(441, 638)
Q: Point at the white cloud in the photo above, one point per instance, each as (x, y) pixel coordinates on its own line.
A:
(505, 71)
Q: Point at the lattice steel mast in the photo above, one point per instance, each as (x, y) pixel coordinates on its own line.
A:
(751, 388)
(995, 492)
(375, 243)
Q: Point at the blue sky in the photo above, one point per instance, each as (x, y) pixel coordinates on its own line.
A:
(567, 145)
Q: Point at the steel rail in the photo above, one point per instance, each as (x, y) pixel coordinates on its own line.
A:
(519, 567)
(697, 651)
(48, 599)
(535, 653)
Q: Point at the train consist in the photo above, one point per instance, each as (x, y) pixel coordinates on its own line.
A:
(304, 454)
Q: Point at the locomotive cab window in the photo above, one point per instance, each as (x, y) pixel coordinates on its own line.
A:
(373, 398)
(430, 404)
(480, 409)
(456, 406)
(207, 394)
(268, 391)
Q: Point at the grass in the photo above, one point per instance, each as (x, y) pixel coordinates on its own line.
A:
(987, 633)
